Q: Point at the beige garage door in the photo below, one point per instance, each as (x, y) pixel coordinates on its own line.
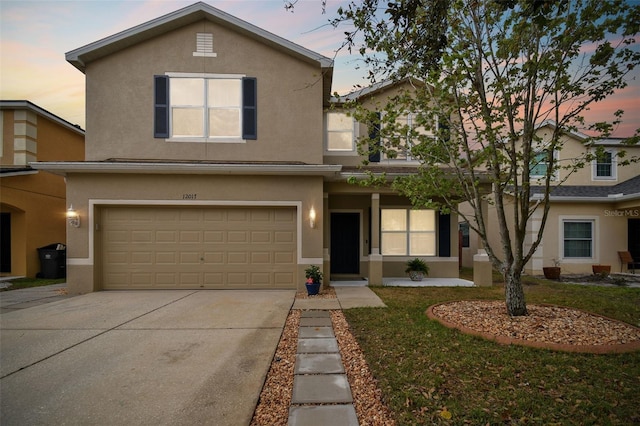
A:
(217, 247)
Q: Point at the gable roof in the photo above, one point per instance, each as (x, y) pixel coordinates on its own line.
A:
(80, 57)
(28, 105)
(374, 89)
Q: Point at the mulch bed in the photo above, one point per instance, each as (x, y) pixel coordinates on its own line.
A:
(550, 327)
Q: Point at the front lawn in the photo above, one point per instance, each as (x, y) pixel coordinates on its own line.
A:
(430, 374)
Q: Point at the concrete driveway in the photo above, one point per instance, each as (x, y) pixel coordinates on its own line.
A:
(140, 357)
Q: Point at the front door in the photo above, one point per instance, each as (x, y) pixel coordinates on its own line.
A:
(5, 242)
(634, 238)
(345, 243)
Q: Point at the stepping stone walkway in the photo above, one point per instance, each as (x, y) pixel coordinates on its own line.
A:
(321, 392)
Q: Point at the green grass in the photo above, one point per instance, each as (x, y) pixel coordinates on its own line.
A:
(33, 282)
(424, 368)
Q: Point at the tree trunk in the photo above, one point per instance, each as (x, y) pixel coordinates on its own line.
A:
(514, 293)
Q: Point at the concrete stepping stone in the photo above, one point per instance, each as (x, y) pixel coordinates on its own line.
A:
(326, 345)
(314, 415)
(315, 322)
(321, 389)
(315, 332)
(318, 364)
(315, 314)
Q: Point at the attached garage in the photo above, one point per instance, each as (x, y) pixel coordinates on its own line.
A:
(218, 247)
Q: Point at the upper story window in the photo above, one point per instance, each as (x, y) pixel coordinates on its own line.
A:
(400, 149)
(539, 165)
(408, 232)
(340, 132)
(205, 108)
(604, 166)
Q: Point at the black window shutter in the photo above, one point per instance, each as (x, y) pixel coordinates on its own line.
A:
(443, 127)
(161, 106)
(249, 108)
(444, 235)
(374, 141)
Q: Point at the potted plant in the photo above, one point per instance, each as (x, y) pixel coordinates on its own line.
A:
(417, 269)
(602, 270)
(552, 272)
(314, 279)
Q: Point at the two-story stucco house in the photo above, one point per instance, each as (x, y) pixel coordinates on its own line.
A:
(32, 202)
(594, 214)
(214, 160)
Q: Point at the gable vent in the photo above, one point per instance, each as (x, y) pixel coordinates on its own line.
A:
(204, 45)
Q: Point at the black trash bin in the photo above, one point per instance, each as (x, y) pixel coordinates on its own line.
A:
(53, 261)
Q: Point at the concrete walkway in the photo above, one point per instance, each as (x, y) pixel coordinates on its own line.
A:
(320, 377)
(321, 392)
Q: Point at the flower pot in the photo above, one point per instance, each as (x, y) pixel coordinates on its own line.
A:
(551, 272)
(416, 275)
(601, 269)
(313, 289)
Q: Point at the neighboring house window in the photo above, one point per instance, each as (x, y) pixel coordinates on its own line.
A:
(464, 232)
(402, 151)
(539, 165)
(340, 133)
(205, 108)
(408, 232)
(578, 238)
(604, 166)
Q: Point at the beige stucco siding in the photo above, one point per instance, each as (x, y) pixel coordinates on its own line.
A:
(120, 99)
(609, 235)
(91, 193)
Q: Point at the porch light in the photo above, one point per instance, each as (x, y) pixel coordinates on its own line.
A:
(73, 217)
(312, 218)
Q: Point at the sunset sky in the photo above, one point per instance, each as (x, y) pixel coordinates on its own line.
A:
(35, 35)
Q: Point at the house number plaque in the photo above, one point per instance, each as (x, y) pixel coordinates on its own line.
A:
(189, 196)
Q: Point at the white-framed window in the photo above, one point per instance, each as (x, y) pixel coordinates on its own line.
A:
(340, 132)
(208, 108)
(604, 166)
(402, 152)
(578, 238)
(205, 107)
(408, 232)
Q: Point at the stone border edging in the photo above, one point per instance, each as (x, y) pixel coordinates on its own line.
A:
(504, 340)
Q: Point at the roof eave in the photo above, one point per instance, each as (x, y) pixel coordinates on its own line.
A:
(626, 197)
(64, 168)
(28, 105)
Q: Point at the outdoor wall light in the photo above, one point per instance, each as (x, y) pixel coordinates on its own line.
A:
(312, 218)
(73, 217)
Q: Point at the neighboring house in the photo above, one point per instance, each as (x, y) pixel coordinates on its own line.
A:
(594, 214)
(215, 159)
(32, 209)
